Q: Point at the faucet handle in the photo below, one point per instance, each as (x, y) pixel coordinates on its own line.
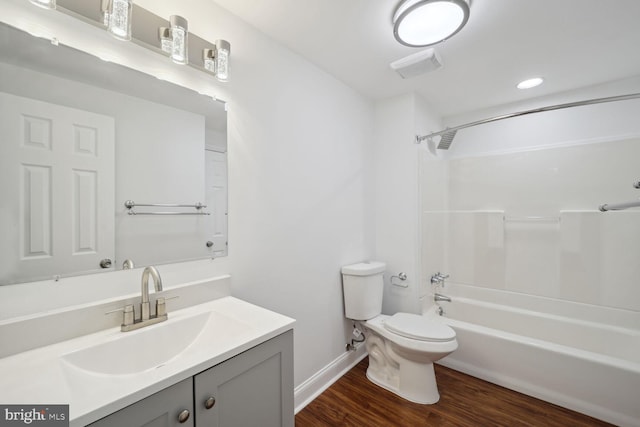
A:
(438, 278)
(128, 317)
(144, 311)
(161, 307)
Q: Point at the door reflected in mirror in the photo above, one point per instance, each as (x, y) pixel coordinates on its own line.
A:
(81, 136)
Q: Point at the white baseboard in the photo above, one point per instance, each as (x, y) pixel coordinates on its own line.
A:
(322, 380)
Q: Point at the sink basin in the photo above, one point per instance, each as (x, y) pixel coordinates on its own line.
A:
(141, 350)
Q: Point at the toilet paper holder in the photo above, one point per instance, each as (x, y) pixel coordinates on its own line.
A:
(402, 276)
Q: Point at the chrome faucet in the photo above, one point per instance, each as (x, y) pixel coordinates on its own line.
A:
(438, 278)
(157, 283)
(130, 323)
(439, 297)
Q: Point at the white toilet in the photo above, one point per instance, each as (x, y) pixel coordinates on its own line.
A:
(402, 347)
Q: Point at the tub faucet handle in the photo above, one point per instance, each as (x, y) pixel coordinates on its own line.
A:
(438, 278)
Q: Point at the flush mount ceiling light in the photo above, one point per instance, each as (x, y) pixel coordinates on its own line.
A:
(419, 23)
(530, 83)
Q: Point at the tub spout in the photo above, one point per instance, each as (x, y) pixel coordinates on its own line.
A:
(439, 297)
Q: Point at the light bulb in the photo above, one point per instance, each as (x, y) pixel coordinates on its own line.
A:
(530, 83)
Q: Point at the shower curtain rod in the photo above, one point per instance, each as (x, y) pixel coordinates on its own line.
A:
(449, 133)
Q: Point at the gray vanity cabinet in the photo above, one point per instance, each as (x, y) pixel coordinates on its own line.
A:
(162, 409)
(252, 389)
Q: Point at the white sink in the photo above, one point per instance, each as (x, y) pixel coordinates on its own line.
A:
(102, 372)
(144, 349)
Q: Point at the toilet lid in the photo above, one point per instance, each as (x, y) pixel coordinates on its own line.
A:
(419, 327)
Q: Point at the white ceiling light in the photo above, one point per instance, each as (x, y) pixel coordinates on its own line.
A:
(418, 23)
(530, 83)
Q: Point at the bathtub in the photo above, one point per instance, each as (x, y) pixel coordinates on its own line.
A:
(582, 357)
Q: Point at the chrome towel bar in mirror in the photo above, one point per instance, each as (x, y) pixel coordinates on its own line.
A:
(130, 204)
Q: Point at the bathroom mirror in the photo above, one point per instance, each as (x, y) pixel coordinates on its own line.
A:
(79, 138)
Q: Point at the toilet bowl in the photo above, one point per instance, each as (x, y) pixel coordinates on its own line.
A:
(402, 347)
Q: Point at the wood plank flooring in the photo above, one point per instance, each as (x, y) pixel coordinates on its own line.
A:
(464, 401)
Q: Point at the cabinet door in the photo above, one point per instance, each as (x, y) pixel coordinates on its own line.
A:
(252, 389)
(162, 409)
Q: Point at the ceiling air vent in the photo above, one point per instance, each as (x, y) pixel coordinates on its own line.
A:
(417, 64)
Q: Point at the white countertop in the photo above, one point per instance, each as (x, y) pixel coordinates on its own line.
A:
(44, 375)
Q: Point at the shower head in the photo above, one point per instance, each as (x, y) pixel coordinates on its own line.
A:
(445, 140)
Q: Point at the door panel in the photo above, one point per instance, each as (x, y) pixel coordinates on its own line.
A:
(216, 187)
(57, 192)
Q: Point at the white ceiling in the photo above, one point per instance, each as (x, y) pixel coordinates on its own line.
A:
(571, 43)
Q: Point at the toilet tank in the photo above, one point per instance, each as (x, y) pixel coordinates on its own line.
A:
(363, 285)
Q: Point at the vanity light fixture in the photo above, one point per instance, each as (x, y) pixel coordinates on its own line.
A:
(530, 83)
(46, 4)
(179, 39)
(117, 17)
(216, 59)
(419, 23)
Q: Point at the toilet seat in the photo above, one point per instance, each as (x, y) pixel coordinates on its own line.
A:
(417, 327)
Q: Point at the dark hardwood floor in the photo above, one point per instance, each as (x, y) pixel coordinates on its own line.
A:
(464, 401)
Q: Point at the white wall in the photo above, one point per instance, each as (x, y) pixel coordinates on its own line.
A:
(215, 140)
(578, 125)
(397, 210)
(300, 150)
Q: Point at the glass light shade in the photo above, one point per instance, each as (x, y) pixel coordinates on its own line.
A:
(179, 37)
(47, 4)
(419, 23)
(223, 49)
(119, 19)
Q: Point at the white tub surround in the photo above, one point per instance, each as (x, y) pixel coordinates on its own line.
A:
(95, 378)
(579, 356)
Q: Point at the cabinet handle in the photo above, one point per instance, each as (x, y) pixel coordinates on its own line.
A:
(183, 416)
(210, 402)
